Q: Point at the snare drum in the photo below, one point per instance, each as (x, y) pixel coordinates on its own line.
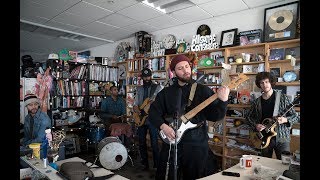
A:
(96, 133)
(112, 154)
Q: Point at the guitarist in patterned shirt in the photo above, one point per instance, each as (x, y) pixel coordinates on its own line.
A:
(145, 92)
(263, 107)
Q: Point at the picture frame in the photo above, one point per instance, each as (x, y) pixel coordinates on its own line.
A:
(280, 22)
(228, 37)
(277, 54)
(276, 71)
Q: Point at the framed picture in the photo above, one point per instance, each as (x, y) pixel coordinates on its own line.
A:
(276, 54)
(228, 37)
(250, 37)
(276, 71)
(280, 22)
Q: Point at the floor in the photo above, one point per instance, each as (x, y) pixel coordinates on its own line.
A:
(131, 170)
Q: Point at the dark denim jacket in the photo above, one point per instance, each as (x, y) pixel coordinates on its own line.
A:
(41, 122)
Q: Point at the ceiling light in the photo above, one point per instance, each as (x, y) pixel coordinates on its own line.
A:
(151, 5)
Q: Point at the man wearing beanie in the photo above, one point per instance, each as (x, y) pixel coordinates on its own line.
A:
(148, 90)
(193, 149)
(36, 122)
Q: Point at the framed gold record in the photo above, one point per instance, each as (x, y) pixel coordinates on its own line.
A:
(280, 22)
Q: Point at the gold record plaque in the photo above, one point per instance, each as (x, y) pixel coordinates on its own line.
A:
(281, 22)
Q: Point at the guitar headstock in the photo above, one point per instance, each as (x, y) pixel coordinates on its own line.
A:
(236, 81)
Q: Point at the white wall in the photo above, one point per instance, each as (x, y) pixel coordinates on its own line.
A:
(243, 20)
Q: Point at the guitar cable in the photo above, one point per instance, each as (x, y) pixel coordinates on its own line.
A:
(167, 170)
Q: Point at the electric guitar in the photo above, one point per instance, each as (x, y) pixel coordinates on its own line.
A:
(261, 139)
(184, 124)
(140, 118)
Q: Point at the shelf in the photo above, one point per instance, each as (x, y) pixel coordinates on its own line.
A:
(237, 74)
(247, 46)
(282, 61)
(248, 63)
(283, 42)
(238, 105)
(297, 109)
(206, 68)
(294, 83)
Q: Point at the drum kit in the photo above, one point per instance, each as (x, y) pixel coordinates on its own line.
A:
(111, 150)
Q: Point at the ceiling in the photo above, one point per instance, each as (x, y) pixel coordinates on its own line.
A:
(48, 26)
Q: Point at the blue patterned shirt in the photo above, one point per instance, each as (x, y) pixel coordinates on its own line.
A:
(111, 107)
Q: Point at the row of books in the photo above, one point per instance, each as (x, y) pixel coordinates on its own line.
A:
(67, 102)
(71, 88)
(154, 64)
(103, 73)
(78, 72)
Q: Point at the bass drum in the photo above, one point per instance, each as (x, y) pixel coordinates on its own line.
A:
(112, 154)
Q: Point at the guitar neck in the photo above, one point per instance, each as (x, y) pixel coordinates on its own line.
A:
(201, 106)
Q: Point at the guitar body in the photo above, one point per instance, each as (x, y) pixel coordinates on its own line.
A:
(261, 139)
(144, 108)
(183, 127)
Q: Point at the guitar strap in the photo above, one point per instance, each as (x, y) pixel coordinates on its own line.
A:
(277, 103)
(192, 92)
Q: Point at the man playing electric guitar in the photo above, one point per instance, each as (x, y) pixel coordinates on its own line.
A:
(193, 149)
(143, 95)
(269, 105)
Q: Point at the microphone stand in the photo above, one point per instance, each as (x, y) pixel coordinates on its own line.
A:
(175, 147)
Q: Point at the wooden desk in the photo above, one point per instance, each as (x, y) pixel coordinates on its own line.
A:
(245, 174)
(52, 173)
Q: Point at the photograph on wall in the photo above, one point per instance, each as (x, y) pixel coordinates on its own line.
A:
(228, 37)
(280, 22)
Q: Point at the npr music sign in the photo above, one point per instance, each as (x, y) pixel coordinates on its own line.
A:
(201, 43)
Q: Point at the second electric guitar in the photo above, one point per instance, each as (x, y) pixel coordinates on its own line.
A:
(140, 118)
(261, 139)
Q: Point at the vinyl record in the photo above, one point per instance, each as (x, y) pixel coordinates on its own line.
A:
(280, 20)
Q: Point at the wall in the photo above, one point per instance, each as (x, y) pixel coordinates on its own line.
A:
(243, 20)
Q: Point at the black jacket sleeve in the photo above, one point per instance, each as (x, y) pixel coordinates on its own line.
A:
(157, 110)
(216, 110)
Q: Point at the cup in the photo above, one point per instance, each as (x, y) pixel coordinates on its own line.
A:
(246, 161)
(285, 157)
(239, 60)
(288, 56)
(35, 150)
(247, 57)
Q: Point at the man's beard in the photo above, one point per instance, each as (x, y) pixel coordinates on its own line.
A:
(146, 83)
(184, 79)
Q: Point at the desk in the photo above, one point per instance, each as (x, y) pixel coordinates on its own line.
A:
(38, 165)
(245, 174)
